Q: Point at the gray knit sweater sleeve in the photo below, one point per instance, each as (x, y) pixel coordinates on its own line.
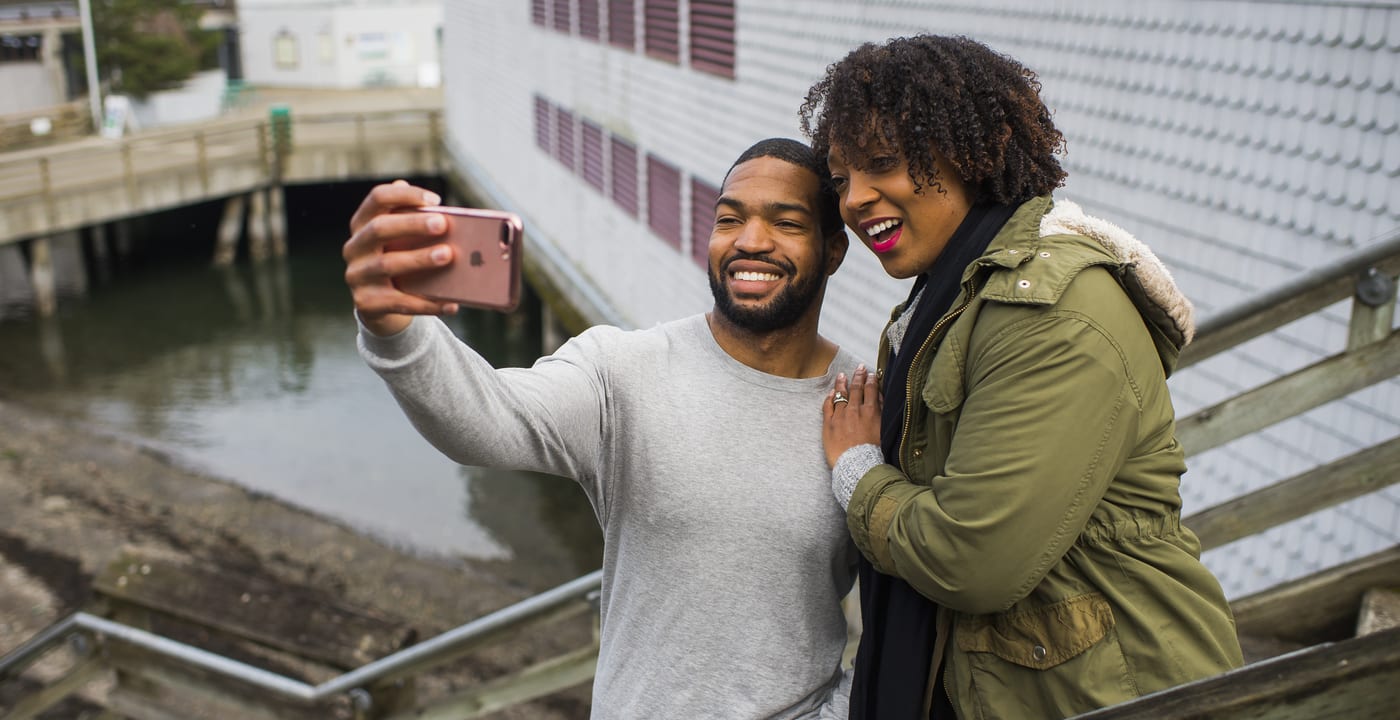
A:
(546, 418)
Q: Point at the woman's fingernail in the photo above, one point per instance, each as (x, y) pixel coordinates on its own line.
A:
(441, 254)
(431, 198)
(436, 223)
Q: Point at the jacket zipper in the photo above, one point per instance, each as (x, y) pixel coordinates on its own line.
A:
(971, 289)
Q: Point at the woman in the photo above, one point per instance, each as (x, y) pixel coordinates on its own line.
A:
(1015, 497)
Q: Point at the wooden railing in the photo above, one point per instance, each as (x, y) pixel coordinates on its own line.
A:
(60, 188)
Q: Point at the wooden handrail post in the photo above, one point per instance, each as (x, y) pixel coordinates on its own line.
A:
(129, 175)
(360, 141)
(46, 190)
(202, 159)
(1372, 308)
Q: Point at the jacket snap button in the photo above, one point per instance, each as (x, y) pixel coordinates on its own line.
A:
(918, 452)
(1038, 652)
(1012, 252)
(1023, 284)
(1044, 254)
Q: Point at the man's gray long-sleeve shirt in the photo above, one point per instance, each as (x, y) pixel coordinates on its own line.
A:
(725, 557)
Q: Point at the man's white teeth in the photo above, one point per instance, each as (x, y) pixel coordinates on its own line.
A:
(880, 227)
(759, 276)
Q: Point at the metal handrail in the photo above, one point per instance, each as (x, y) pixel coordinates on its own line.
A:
(516, 615)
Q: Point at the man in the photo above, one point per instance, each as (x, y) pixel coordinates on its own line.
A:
(698, 443)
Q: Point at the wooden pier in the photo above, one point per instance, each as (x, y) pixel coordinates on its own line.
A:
(244, 160)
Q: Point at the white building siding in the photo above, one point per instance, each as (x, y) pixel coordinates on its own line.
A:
(1246, 141)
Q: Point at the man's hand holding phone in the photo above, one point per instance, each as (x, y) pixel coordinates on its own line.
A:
(408, 256)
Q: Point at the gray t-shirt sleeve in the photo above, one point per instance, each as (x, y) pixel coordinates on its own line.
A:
(546, 418)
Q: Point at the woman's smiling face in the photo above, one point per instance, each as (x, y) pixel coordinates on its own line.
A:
(906, 226)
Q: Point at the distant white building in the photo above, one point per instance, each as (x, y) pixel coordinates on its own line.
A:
(1246, 141)
(41, 62)
(340, 43)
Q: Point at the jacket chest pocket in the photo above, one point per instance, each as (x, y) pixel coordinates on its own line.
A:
(933, 421)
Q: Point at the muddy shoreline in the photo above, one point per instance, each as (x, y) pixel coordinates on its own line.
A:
(75, 497)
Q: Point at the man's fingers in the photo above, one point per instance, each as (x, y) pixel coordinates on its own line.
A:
(405, 228)
(386, 198)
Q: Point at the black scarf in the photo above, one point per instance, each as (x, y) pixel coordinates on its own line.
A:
(896, 646)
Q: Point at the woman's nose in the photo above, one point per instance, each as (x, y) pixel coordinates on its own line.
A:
(859, 192)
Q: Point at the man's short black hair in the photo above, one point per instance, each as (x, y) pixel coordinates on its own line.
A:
(800, 154)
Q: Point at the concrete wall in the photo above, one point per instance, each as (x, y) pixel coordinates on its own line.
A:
(340, 44)
(1246, 141)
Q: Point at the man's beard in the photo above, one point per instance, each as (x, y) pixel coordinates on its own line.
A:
(781, 312)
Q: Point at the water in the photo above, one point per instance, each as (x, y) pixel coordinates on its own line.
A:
(251, 374)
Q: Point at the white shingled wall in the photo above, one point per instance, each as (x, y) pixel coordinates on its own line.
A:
(1246, 141)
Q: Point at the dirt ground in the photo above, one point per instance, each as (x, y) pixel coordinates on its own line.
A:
(73, 497)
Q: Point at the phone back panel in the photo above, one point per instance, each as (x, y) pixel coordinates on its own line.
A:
(485, 270)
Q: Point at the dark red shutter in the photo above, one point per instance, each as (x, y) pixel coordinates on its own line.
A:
(591, 157)
(624, 175)
(712, 36)
(589, 19)
(662, 30)
(622, 28)
(702, 219)
(538, 13)
(564, 137)
(544, 125)
(664, 200)
(563, 17)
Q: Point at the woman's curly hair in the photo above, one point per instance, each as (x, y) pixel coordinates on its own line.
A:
(979, 109)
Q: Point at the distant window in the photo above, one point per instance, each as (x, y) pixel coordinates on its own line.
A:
(712, 36)
(538, 13)
(563, 16)
(662, 33)
(20, 48)
(664, 200)
(624, 175)
(622, 23)
(591, 155)
(325, 47)
(544, 125)
(564, 137)
(702, 219)
(284, 50)
(589, 19)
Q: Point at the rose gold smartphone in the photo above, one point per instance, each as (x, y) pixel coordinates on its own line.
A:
(485, 269)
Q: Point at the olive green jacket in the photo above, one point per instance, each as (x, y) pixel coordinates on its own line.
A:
(1041, 509)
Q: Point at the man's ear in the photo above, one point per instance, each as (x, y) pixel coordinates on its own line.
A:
(836, 245)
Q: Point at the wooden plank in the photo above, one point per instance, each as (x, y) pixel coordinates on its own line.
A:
(76, 677)
(1318, 608)
(1353, 476)
(1290, 395)
(1352, 679)
(1380, 610)
(296, 619)
(1265, 313)
(533, 682)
